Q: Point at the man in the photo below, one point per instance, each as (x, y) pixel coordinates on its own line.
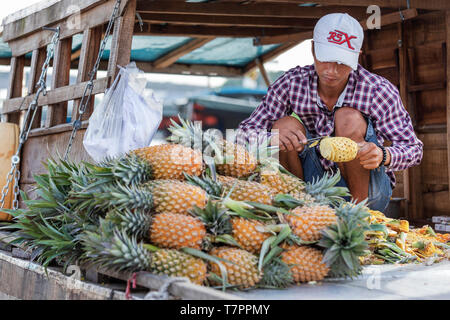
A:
(337, 97)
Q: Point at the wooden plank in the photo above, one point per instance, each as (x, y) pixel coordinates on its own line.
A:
(245, 9)
(56, 96)
(15, 86)
(37, 60)
(210, 31)
(26, 280)
(88, 56)
(436, 203)
(427, 86)
(192, 69)
(39, 148)
(88, 19)
(386, 19)
(57, 113)
(447, 32)
(121, 40)
(403, 79)
(172, 56)
(21, 24)
(295, 37)
(419, 4)
(263, 72)
(183, 290)
(228, 21)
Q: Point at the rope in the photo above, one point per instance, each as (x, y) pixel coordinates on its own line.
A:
(131, 281)
(163, 292)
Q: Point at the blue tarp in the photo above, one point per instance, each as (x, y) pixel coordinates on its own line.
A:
(233, 52)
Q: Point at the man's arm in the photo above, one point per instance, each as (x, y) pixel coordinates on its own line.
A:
(274, 105)
(394, 123)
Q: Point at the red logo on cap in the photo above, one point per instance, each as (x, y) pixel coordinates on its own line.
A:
(340, 38)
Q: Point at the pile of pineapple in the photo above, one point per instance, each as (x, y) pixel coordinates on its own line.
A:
(394, 241)
(169, 209)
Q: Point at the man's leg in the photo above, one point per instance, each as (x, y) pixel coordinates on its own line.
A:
(350, 123)
(290, 159)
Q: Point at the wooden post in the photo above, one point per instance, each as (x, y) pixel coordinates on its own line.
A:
(88, 55)
(403, 79)
(57, 113)
(121, 40)
(263, 71)
(447, 40)
(414, 173)
(37, 60)
(15, 85)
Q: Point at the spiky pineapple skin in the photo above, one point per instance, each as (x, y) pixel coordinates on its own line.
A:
(176, 196)
(246, 234)
(306, 263)
(174, 263)
(281, 182)
(244, 272)
(175, 231)
(242, 164)
(169, 161)
(246, 190)
(338, 149)
(307, 222)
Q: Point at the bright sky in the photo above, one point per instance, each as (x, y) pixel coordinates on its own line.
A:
(299, 55)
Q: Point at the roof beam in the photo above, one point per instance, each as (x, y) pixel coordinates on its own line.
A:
(237, 21)
(209, 31)
(286, 10)
(386, 19)
(418, 4)
(270, 55)
(171, 57)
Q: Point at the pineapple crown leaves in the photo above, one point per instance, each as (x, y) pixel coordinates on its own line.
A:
(276, 275)
(212, 187)
(113, 195)
(324, 190)
(215, 217)
(344, 242)
(114, 249)
(354, 214)
(133, 222)
(270, 249)
(129, 169)
(245, 210)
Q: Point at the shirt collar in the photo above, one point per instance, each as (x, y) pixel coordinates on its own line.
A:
(345, 96)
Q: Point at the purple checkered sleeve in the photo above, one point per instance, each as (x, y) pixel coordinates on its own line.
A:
(393, 122)
(274, 106)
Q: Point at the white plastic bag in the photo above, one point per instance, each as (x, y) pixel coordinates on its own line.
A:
(126, 119)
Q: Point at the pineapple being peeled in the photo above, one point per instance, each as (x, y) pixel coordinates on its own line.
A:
(338, 149)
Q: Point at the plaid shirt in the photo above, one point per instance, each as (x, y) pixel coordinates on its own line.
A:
(372, 95)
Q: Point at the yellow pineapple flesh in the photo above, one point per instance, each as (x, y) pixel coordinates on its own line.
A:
(246, 234)
(306, 263)
(176, 196)
(338, 149)
(169, 161)
(174, 263)
(243, 272)
(246, 190)
(307, 222)
(175, 231)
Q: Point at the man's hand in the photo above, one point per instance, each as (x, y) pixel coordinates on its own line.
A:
(370, 155)
(290, 135)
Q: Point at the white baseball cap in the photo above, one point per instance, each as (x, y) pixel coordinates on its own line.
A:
(338, 37)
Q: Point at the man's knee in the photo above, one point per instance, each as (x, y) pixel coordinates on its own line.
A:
(350, 123)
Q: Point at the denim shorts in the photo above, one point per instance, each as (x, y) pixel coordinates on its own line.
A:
(380, 190)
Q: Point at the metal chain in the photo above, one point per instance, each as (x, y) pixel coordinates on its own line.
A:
(90, 85)
(27, 124)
